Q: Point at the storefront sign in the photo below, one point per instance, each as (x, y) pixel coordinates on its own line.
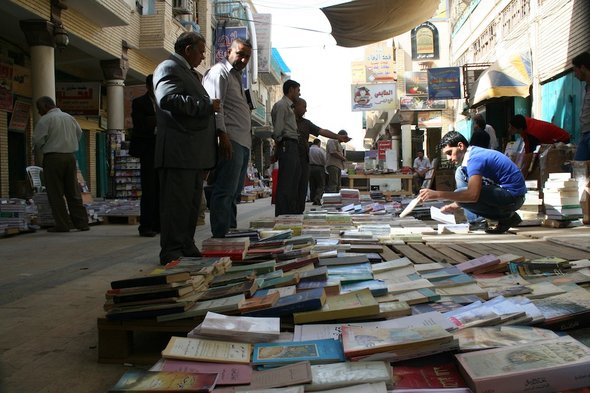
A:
(425, 42)
(416, 83)
(78, 98)
(382, 147)
(418, 103)
(372, 97)
(444, 83)
(21, 114)
(263, 23)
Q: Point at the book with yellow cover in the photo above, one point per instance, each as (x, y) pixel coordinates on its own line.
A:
(214, 351)
(162, 381)
(359, 303)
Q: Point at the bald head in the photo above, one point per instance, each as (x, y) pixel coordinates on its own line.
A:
(45, 104)
(300, 107)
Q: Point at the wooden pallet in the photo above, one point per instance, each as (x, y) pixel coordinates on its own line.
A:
(119, 341)
(130, 220)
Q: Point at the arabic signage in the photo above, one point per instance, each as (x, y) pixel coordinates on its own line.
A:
(377, 66)
(263, 24)
(416, 83)
(444, 83)
(223, 38)
(425, 42)
(419, 103)
(372, 97)
(21, 114)
(382, 146)
(430, 119)
(78, 98)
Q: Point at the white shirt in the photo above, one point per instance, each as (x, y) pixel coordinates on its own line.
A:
(493, 140)
(57, 132)
(421, 164)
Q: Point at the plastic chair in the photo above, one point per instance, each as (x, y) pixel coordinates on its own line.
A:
(34, 173)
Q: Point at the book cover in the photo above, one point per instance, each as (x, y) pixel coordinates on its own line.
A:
(156, 279)
(337, 375)
(315, 351)
(377, 287)
(288, 375)
(349, 305)
(146, 311)
(332, 287)
(214, 351)
(359, 341)
(319, 273)
(282, 291)
(441, 375)
(544, 366)
(354, 272)
(163, 381)
(227, 305)
(166, 293)
(259, 302)
(477, 263)
(232, 278)
(259, 268)
(246, 328)
(229, 374)
(303, 301)
(246, 287)
(452, 281)
(344, 260)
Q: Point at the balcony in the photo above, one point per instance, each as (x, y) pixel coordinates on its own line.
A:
(159, 31)
(259, 114)
(233, 12)
(273, 75)
(105, 13)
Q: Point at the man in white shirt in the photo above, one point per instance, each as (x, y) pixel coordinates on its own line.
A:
(317, 176)
(421, 166)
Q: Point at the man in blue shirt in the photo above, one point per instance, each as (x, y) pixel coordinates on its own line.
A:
(488, 183)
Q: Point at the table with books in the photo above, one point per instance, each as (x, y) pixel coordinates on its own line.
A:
(283, 310)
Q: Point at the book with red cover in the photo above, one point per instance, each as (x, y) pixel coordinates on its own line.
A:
(443, 375)
(235, 254)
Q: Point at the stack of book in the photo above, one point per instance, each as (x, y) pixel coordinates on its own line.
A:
(530, 209)
(332, 200)
(150, 296)
(560, 198)
(233, 247)
(294, 222)
(350, 196)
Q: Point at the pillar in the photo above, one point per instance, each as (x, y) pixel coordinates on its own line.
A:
(407, 145)
(39, 35)
(115, 72)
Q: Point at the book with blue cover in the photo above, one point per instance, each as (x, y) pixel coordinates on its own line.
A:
(346, 273)
(377, 287)
(313, 299)
(281, 353)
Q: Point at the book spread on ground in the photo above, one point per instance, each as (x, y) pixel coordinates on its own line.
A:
(214, 351)
(163, 381)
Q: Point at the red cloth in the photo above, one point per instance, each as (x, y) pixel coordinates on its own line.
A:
(544, 132)
(275, 180)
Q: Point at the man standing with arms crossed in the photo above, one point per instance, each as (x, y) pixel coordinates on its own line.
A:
(57, 135)
(224, 81)
(186, 145)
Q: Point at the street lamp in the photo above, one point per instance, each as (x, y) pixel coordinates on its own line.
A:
(60, 36)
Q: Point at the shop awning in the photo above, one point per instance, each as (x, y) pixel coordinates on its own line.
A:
(363, 22)
(510, 76)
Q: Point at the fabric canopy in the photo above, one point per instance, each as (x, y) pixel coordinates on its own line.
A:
(510, 76)
(363, 22)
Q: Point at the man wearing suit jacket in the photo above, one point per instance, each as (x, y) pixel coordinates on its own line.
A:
(186, 144)
(143, 145)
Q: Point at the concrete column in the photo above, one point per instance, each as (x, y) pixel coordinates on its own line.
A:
(39, 35)
(115, 72)
(407, 145)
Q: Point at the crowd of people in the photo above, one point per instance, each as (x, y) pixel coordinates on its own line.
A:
(187, 131)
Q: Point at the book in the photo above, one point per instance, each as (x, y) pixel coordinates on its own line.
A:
(543, 366)
(146, 311)
(259, 267)
(248, 329)
(377, 287)
(331, 286)
(259, 302)
(281, 353)
(354, 272)
(282, 291)
(232, 278)
(476, 338)
(228, 374)
(288, 375)
(303, 301)
(349, 305)
(214, 351)
(245, 287)
(164, 381)
(156, 279)
(337, 375)
(359, 341)
(175, 292)
(230, 304)
(344, 260)
(428, 376)
(478, 263)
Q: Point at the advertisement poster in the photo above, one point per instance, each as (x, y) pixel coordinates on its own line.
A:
(430, 119)
(444, 83)
(21, 114)
(372, 97)
(78, 98)
(419, 103)
(263, 23)
(383, 146)
(6, 85)
(223, 39)
(416, 83)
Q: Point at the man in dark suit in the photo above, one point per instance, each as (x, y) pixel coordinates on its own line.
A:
(143, 146)
(186, 144)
